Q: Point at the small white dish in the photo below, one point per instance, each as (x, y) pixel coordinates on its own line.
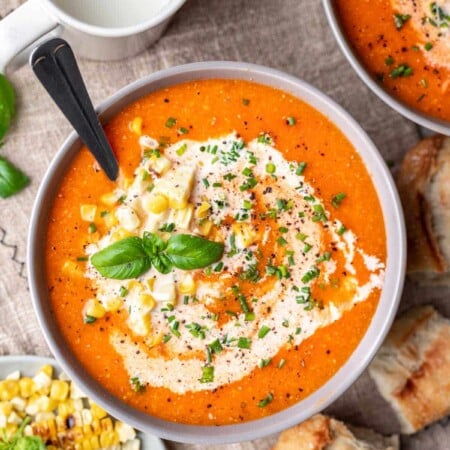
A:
(28, 365)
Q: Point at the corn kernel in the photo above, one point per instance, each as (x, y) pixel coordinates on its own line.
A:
(205, 227)
(245, 235)
(106, 424)
(159, 165)
(71, 268)
(18, 403)
(107, 439)
(94, 308)
(97, 411)
(9, 389)
(146, 302)
(14, 418)
(110, 220)
(156, 203)
(124, 431)
(127, 218)
(187, 285)
(96, 427)
(26, 386)
(59, 390)
(120, 234)
(109, 199)
(136, 125)
(140, 325)
(94, 442)
(134, 285)
(88, 212)
(181, 217)
(6, 408)
(44, 416)
(66, 408)
(153, 340)
(45, 404)
(13, 376)
(203, 210)
(112, 304)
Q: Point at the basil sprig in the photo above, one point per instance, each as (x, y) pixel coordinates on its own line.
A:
(12, 179)
(133, 256)
(20, 442)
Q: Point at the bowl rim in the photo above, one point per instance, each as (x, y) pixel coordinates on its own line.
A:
(420, 118)
(381, 320)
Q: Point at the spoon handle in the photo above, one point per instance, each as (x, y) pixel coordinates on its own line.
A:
(56, 68)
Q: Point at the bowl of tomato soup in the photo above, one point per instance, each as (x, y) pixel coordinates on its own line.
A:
(242, 270)
(400, 49)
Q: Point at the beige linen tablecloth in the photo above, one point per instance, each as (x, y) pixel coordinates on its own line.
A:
(291, 35)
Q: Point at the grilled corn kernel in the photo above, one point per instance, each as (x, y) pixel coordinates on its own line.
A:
(9, 389)
(96, 427)
(127, 218)
(112, 304)
(44, 416)
(71, 268)
(140, 325)
(120, 234)
(156, 203)
(45, 404)
(146, 302)
(205, 227)
(124, 431)
(203, 210)
(27, 387)
(86, 415)
(6, 408)
(97, 411)
(110, 220)
(107, 438)
(245, 235)
(187, 285)
(18, 403)
(106, 424)
(109, 199)
(136, 125)
(94, 441)
(94, 308)
(59, 390)
(88, 212)
(181, 217)
(66, 408)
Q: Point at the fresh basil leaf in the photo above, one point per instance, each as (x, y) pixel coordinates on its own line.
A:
(162, 263)
(7, 107)
(153, 244)
(122, 260)
(12, 179)
(189, 252)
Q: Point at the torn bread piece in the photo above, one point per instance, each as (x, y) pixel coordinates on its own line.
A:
(412, 368)
(324, 433)
(424, 185)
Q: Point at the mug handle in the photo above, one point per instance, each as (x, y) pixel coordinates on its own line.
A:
(21, 28)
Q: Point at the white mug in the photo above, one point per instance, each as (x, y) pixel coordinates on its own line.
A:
(96, 29)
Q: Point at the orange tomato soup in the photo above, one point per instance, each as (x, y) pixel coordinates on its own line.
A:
(210, 109)
(393, 41)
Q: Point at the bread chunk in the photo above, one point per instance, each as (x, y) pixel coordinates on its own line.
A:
(424, 185)
(324, 433)
(412, 368)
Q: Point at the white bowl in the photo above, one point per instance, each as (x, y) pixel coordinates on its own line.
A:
(366, 349)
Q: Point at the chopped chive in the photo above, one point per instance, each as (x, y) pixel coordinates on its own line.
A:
(281, 363)
(400, 20)
(170, 122)
(263, 331)
(325, 257)
(337, 199)
(229, 176)
(215, 346)
(166, 338)
(244, 343)
(183, 130)
(389, 61)
(89, 319)
(123, 291)
(291, 121)
(182, 150)
(264, 362)
(307, 247)
(271, 168)
(281, 241)
(205, 182)
(105, 213)
(301, 236)
(285, 323)
(428, 46)
(92, 228)
(218, 267)
(265, 401)
(82, 258)
(243, 303)
(245, 101)
(300, 168)
(248, 204)
(207, 374)
(312, 273)
(136, 385)
(249, 316)
(341, 230)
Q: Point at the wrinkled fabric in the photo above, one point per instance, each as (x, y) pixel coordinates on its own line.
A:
(290, 35)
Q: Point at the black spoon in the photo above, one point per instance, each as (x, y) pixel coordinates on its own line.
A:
(54, 64)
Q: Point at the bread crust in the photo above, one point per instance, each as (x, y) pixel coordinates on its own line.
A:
(424, 186)
(412, 368)
(324, 433)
